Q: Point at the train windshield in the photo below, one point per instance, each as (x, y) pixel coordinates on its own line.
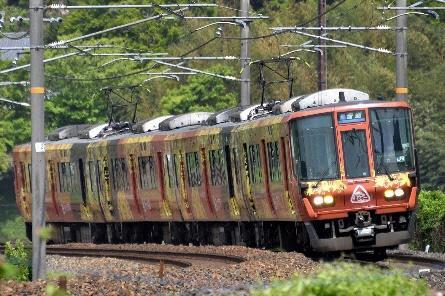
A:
(392, 140)
(314, 147)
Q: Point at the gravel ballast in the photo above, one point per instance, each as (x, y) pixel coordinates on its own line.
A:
(110, 276)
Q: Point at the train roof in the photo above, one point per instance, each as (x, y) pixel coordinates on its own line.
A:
(212, 126)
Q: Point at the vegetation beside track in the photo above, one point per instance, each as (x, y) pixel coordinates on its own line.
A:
(12, 226)
(430, 228)
(348, 280)
(17, 265)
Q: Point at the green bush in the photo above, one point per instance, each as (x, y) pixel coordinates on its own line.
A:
(430, 228)
(8, 271)
(17, 256)
(348, 280)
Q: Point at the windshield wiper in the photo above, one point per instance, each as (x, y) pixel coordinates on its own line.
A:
(325, 173)
(385, 169)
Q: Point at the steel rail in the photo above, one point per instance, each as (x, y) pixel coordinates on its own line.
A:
(414, 259)
(184, 255)
(180, 259)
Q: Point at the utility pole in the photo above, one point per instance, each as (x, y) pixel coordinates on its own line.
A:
(37, 139)
(245, 54)
(401, 52)
(322, 58)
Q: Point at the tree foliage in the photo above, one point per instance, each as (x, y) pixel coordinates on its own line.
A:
(74, 84)
(201, 93)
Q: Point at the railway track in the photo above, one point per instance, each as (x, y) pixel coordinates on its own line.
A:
(179, 259)
(415, 262)
(408, 262)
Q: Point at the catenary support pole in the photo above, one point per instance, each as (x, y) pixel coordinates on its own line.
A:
(245, 55)
(37, 139)
(401, 53)
(322, 57)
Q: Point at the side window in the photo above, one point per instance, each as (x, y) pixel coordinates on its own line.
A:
(236, 163)
(67, 176)
(255, 164)
(218, 174)
(119, 171)
(29, 183)
(172, 171)
(26, 187)
(193, 172)
(95, 181)
(147, 172)
(273, 157)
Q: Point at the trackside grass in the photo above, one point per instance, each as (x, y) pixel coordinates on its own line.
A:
(430, 228)
(344, 279)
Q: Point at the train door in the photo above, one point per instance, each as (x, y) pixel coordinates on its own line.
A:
(288, 196)
(21, 190)
(134, 186)
(165, 205)
(82, 182)
(52, 188)
(205, 186)
(277, 177)
(233, 202)
(272, 201)
(101, 185)
(354, 143)
(247, 178)
(174, 185)
(185, 202)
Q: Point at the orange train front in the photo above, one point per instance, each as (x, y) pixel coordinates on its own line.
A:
(329, 171)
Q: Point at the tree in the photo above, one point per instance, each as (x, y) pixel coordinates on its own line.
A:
(201, 93)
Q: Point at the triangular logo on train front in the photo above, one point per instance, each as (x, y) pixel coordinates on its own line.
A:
(360, 195)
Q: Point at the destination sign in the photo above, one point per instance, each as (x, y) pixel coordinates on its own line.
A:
(351, 117)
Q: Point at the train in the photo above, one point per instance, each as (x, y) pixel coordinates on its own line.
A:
(326, 172)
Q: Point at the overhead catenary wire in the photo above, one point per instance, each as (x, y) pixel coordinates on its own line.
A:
(64, 42)
(131, 24)
(23, 104)
(381, 50)
(227, 77)
(44, 61)
(125, 6)
(14, 38)
(14, 83)
(338, 28)
(61, 77)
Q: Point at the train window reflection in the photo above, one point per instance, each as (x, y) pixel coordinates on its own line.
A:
(314, 147)
(218, 174)
(172, 171)
(67, 179)
(255, 165)
(193, 169)
(392, 140)
(273, 157)
(119, 171)
(355, 153)
(147, 172)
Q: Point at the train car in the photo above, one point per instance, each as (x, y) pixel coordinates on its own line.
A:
(325, 172)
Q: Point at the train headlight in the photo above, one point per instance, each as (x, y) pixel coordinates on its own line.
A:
(399, 192)
(328, 199)
(389, 193)
(318, 200)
